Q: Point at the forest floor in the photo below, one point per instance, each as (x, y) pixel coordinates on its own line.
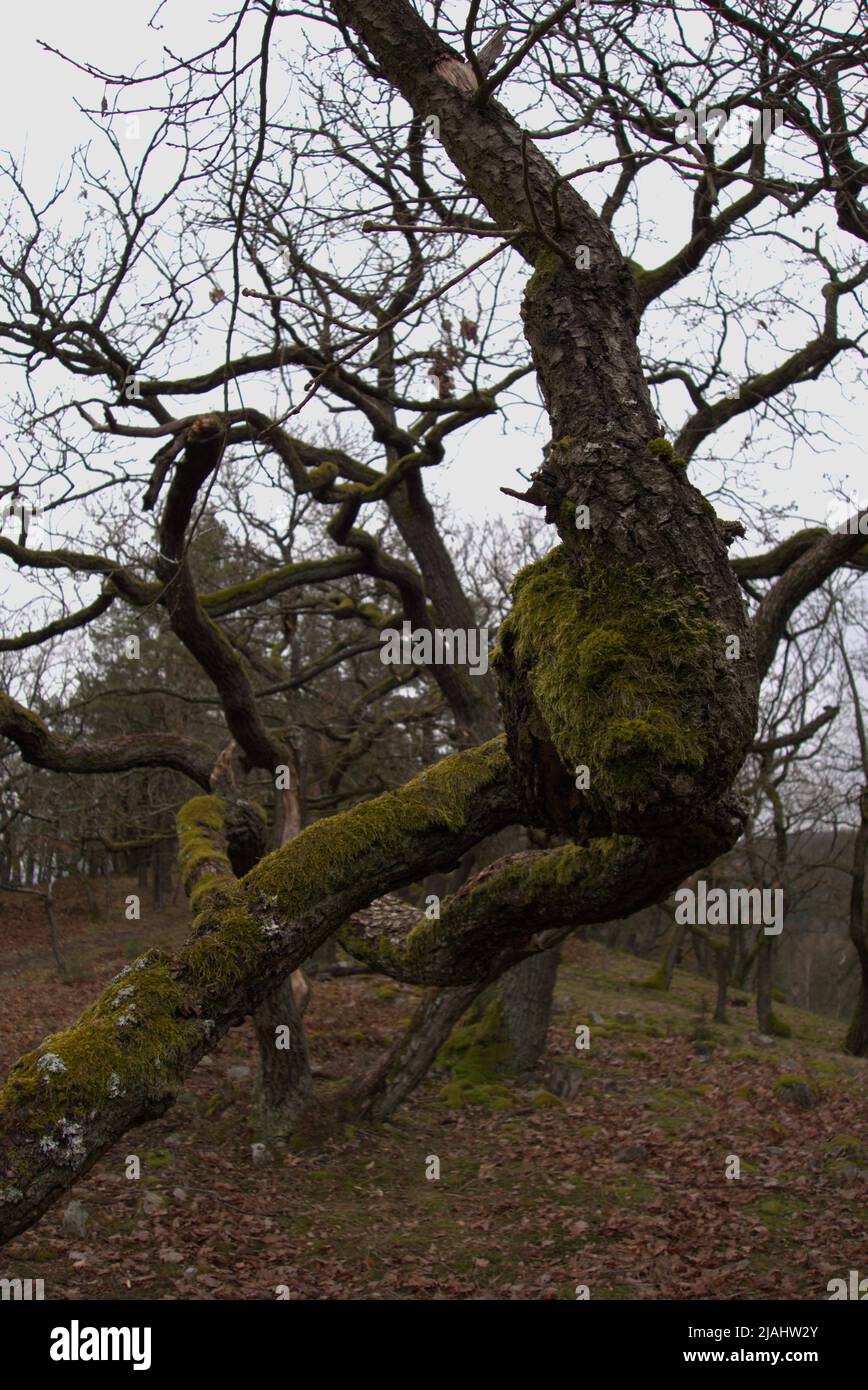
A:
(621, 1187)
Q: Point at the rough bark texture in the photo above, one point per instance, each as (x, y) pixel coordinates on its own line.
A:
(284, 1082)
(378, 1094)
(525, 997)
(682, 712)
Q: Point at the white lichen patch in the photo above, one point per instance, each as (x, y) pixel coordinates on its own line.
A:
(121, 995)
(66, 1144)
(121, 974)
(125, 1019)
(50, 1064)
(10, 1194)
(115, 1088)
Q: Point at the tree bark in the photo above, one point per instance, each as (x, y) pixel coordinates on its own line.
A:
(284, 1081)
(525, 995)
(395, 1075)
(856, 1041)
(764, 986)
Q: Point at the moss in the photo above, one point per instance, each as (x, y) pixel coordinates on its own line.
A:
(608, 664)
(547, 267)
(130, 1038)
(568, 511)
(655, 981)
(545, 1099)
(217, 960)
(777, 1028)
(322, 476)
(475, 1053)
(791, 1080)
(333, 853)
(200, 843)
(662, 449)
(491, 1096)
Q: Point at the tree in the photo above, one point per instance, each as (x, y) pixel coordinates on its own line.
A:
(627, 669)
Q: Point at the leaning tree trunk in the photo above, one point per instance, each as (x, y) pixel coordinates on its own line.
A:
(626, 671)
(400, 1070)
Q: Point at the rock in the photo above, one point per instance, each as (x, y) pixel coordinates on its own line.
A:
(75, 1218)
(565, 1080)
(632, 1153)
(78, 1257)
(259, 1154)
(762, 1039)
(596, 1018)
(179, 1194)
(153, 1202)
(239, 1073)
(797, 1093)
(190, 1272)
(849, 1172)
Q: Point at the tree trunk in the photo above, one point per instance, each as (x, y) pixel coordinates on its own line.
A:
(764, 983)
(856, 1041)
(525, 995)
(525, 992)
(378, 1094)
(284, 1082)
(662, 976)
(724, 962)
